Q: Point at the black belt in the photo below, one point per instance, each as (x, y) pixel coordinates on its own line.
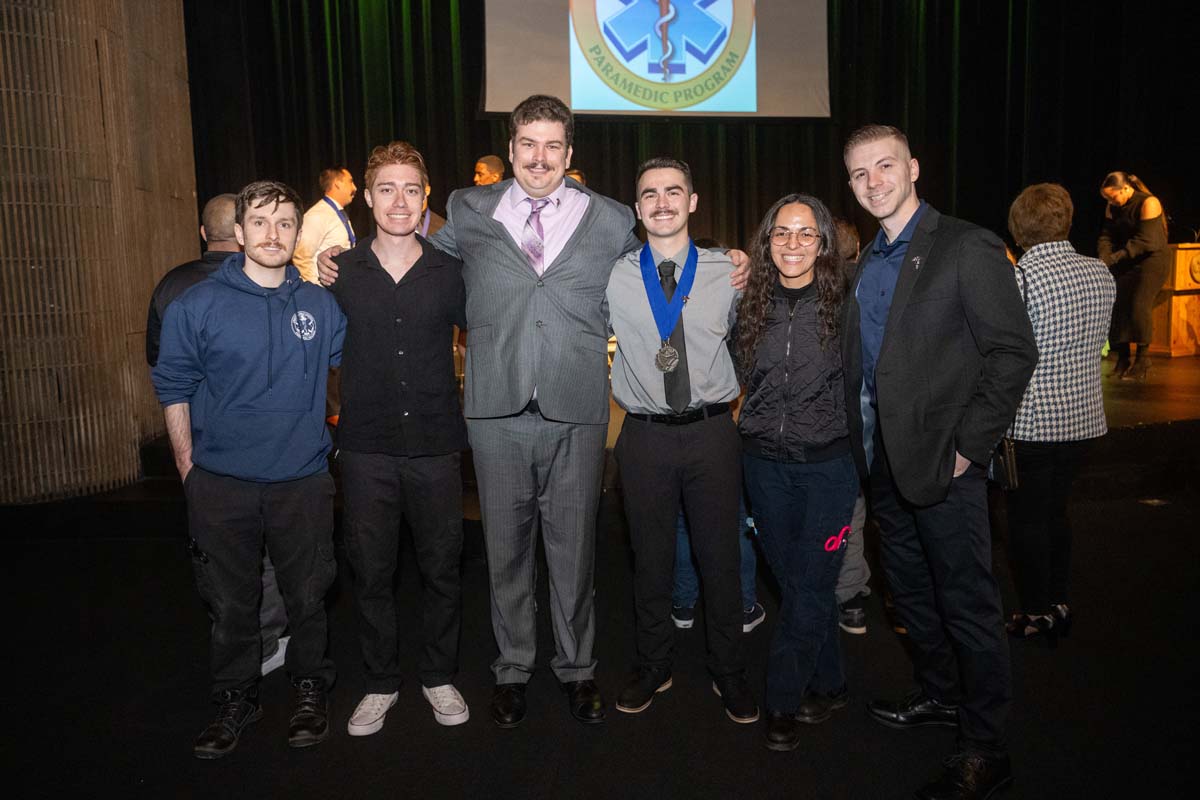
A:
(686, 418)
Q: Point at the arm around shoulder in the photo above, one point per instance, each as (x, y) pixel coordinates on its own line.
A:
(444, 239)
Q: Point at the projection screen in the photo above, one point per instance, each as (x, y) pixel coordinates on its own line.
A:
(737, 58)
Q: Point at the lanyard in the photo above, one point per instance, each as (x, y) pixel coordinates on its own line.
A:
(666, 315)
(345, 220)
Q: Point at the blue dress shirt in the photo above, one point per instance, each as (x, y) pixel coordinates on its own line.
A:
(875, 290)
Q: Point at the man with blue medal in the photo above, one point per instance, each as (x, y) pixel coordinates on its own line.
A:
(673, 375)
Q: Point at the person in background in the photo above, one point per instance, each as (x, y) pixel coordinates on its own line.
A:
(796, 453)
(853, 587)
(1133, 244)
(488, 170)
(577, 176)
(687, 582)
(431, 221)
(220, 239)
(1069, 299)
(325, 222)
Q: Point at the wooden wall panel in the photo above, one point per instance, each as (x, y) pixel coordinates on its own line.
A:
(97, 201)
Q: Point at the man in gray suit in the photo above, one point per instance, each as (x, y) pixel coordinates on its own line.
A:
(537, 251)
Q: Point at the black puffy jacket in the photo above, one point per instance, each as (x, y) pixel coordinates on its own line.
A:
(795, 407)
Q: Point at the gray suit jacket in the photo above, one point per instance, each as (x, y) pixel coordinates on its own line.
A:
(525, 331)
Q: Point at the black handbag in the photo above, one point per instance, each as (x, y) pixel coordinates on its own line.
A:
(1002, 470)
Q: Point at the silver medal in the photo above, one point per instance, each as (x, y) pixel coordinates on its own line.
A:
(667, 358)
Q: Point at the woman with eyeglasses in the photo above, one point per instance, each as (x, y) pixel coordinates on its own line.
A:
(800, 477)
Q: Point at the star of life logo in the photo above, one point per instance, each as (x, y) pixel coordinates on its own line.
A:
(664, 54)
(304, 325)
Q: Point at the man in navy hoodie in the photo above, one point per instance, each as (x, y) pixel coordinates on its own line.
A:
(241, 376)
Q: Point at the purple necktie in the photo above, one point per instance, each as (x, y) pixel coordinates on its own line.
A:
(532, 240)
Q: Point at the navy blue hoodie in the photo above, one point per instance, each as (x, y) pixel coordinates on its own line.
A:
(252, 363)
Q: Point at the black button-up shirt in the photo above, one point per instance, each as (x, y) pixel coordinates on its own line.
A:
(399, 392)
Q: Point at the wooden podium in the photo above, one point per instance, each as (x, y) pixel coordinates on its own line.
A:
(1177, 307)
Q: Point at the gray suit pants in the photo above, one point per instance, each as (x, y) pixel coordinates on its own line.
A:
(532, 470)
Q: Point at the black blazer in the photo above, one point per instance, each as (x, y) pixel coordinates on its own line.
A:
(957, 353)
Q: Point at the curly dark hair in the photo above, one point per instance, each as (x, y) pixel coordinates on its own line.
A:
(828, 275)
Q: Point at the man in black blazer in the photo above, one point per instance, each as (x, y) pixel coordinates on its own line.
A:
(937, 349)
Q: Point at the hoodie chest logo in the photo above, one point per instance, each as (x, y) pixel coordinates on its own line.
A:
(304, 326)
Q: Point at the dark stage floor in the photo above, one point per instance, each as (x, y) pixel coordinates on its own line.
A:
(107, 682)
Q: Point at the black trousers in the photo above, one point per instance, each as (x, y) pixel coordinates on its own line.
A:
(1039, 531)
(230, 520)
(698, 465)
(1133, 307)
(938, 563)
(377, 491)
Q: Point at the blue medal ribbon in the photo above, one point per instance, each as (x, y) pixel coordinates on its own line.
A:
(666, 315)
(345, 220)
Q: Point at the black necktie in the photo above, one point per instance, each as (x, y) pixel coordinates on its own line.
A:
(679, 390)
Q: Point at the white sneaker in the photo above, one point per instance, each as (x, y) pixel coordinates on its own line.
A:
(276, 661)
(449, 708)
(368, 717)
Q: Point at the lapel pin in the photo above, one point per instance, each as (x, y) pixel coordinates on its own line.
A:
(916, 262)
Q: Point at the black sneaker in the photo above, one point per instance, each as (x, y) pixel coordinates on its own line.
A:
(310, 721)
(683, 618)
(969, 776)
(238, 708)
(734, 691)
(639, 693)
(819, 706)
(752, 617)
(852, 615)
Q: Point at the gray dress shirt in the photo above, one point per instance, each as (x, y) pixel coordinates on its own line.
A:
(708, 317)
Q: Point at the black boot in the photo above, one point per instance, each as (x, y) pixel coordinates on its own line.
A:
(238, 708)
(310, 722)
(1122, 365)
(969, 776)
(1140, 366)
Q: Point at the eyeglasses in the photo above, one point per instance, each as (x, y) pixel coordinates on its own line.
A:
(805, 237)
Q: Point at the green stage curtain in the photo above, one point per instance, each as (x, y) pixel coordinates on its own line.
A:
(994, 95)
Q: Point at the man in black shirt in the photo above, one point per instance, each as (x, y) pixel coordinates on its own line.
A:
(401, 434)
(216, 229)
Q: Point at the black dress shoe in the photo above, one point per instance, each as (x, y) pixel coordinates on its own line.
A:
(913, 711)
(585, 702)
(1062, 619)
(783, 731)
(239, 707)
(819, 706)
(310, 721)
(734, 692)
(969, 776)
(508, 704)
(639, 692)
